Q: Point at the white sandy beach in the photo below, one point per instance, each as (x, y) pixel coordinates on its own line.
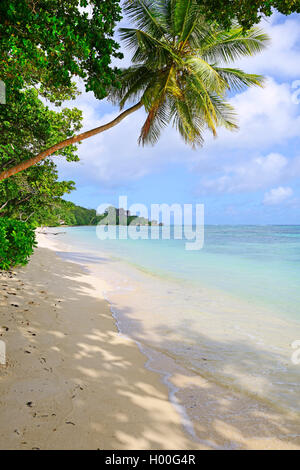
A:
(73, 382)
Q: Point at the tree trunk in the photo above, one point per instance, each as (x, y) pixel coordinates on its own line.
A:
(3, 206)
(65, 143)
(29, 217)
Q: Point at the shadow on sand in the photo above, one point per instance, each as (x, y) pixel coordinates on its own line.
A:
(81, 385)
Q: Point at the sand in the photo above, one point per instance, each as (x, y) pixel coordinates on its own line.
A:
(71, 381)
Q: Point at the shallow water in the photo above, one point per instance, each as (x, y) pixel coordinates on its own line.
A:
(229, 312)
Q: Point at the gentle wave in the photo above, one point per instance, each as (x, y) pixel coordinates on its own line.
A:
(229, 313)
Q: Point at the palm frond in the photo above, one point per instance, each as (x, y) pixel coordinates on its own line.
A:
(147, 48)
(134, 82)
(206, 73)
(234, 44)
(178, 71)
(237, 80)
(225, 114)
(189, 125)
(147, 15)
(158, 118)
(180, 16)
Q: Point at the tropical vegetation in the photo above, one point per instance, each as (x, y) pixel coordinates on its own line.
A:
(26, 125)
(181, 73)
(246, 12)
(48, 43)
(44, 47)
(17, 241)
(68, 213)
(182, 70)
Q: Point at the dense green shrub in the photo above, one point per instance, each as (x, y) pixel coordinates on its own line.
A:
(17, 242)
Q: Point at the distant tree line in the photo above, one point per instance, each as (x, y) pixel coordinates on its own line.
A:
(68, 213)
(46, 45)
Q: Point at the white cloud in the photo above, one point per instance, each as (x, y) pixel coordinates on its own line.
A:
(114, 158)
(249, 176)
(277, 195)
(251, 159)
(282, 57)
(254, 158)
(267, 116)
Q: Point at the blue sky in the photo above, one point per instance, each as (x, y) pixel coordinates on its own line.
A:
(247, 177)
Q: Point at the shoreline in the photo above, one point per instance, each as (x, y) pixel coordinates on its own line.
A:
(71, 381)
(150, 399)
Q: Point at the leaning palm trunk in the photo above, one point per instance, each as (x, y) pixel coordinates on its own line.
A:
(65, 143)
(178, 73)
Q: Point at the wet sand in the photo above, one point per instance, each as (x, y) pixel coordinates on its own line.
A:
(73, 382)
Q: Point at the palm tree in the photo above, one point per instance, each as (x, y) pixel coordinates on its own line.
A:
(179, 73)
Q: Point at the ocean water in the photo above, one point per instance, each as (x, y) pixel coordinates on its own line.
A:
(229, 312)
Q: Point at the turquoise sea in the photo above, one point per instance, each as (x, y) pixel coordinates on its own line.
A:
(228, 312)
